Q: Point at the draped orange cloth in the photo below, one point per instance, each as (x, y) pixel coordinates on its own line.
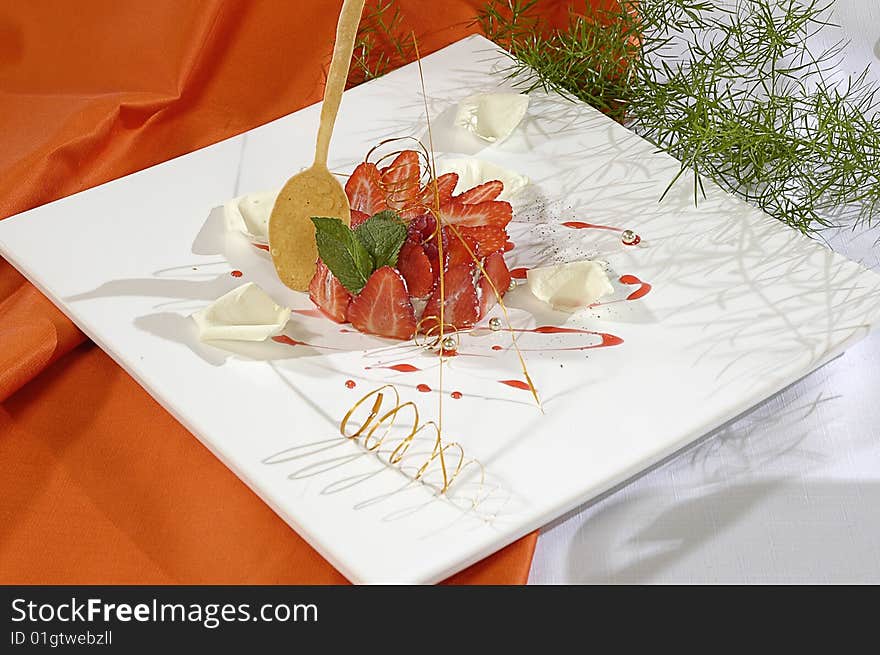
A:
(98, 484)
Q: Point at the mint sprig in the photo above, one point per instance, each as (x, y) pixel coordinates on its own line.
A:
(353, 255)
(383, 235)
(343, 253)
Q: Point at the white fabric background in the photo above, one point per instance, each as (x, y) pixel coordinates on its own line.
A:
(789, 493)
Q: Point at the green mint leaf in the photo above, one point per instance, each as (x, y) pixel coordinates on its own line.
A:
(382, 235)
(343, 253)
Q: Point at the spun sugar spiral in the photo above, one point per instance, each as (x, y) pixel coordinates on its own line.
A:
(382, 416)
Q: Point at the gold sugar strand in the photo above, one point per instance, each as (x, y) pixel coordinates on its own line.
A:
(441, 275)
(500, 300)
(382, 420)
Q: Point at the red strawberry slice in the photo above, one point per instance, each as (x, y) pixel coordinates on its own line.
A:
(445, 186)
(329, 295)
(497, 271)
(415, 267)
(460, 249)
(461, 307)
(383, 307)
(486, 238)
(400, 180)
(364, 190)
(357, 218)
(494, 212)
(482, 193)
(469, 243)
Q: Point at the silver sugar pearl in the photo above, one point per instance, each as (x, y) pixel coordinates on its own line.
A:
(512, 285)
(449, 343)
(629, 238)
(495, 324)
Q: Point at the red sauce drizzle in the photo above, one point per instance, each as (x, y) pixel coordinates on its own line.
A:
(424, 388)
(236, 273)
(455, 395)
(508, 246)
(261, 246)
(579, 225)
(607, 339)
(552, 329)
(286, 340)
(400, 368)
(351, 384)
(404, 368)
(517, 384)
(643, 290)
(519, 273)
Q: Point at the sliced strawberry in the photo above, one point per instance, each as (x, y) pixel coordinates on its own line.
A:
(412, 212)
(486, 238)
(425, 203)
(445, 186)
(482, 193)
(383, 307)
(461, 307)
(400, 180)
(357, 218)
(328, 294)
(494, 212)
(364, 190)
(497, 271)
(415, 267)
(461, 250)
(480, 241)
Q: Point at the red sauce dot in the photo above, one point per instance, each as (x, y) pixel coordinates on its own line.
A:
(424, 388)
(456, 394)
(351, 384)
(236, 273)
(497, 347)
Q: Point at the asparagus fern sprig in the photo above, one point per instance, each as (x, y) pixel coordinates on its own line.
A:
(736, 94)
(382, 42)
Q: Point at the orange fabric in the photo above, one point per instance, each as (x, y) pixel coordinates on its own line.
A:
(98, 484)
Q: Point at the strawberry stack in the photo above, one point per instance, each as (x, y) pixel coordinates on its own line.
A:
(377, 287)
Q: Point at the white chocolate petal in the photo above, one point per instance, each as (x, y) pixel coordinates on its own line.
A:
(570, 287)
(473, 172)
(246, 313)
(492, 116)
(249, 214)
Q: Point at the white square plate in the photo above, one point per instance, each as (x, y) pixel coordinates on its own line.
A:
(740, 307)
